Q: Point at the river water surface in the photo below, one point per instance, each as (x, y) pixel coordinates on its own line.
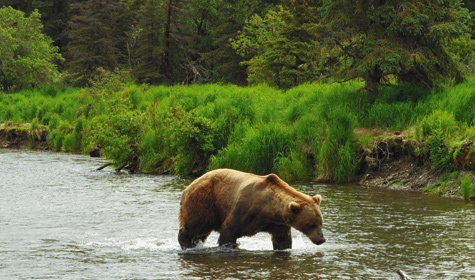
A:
(60, 219)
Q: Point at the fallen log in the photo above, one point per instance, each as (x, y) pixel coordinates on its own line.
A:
(403, 275)
(104, 166)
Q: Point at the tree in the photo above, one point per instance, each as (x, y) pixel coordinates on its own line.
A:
(470, 5)
(185, 35)
(280, 45)
(150, 44)
(375, 40)
(54, 16)
(97, 38)
(27, 56)
(230, 18)
(201, 15)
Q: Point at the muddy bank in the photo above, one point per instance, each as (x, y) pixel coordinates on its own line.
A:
(398, 163)
(23, 136)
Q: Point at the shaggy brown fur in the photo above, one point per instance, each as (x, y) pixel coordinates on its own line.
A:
(237, 204)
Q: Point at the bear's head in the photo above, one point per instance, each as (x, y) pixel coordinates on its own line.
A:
(307, 218)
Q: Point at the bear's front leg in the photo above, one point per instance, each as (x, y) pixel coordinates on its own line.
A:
(281, 237)
(189, 240)
(185, 239)
(228, 238)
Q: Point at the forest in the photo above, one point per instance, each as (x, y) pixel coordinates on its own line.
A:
(281, 43)
(326, 90)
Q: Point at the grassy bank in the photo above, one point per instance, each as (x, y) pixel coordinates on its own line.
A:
(326, 132)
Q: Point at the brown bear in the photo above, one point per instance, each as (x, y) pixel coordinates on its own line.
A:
(237, 204)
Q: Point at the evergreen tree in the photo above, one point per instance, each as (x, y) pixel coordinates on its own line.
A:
(375, 39)
(97, 38)
(230, 19)
(201, 14)
(150, 36)
(280, 45)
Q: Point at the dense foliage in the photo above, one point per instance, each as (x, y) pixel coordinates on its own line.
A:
(275, 42)
(405, 39)
(301, 133)
(27, 56)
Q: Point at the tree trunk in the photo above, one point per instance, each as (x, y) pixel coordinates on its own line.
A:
(373, 79)
(166, 55)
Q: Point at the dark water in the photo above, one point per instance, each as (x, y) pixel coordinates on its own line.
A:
(59, 219)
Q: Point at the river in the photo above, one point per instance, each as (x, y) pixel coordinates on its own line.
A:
(61, 219)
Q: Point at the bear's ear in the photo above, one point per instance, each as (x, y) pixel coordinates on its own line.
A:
(317, 198)
(294, 207)
(272, 179)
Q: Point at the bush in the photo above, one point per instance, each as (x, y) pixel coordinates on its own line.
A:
(191, 140)
(337, 158)
(70, 143)
(120, 135)
(152, 151)
(439, 120)
(467, 188)
(295, 166)
(440, 155)
(256, 152)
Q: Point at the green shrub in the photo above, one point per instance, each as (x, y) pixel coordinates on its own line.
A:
(58, 141)
(256, 152)
(152, 151)
(191, 140)
(337, 158)
(395, 115)
(467, 188)
(105, 83)
(70, 143)
(120, 135)
(439, 120)
(72, 136)
(440, 155)
(54, 122)
(296, 166)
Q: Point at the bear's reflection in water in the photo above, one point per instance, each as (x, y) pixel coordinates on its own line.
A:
(222, 263)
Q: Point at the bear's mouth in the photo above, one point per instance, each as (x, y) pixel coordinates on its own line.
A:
(321, 241)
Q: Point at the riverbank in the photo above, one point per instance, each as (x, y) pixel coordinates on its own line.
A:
(335, 133)
(23, 136)
(392, 163)
(398, 163)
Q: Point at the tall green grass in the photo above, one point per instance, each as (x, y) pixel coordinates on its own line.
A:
(467, 188)
(301, 133)
(257, 151)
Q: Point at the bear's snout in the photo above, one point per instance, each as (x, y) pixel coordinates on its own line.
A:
(321, 241)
